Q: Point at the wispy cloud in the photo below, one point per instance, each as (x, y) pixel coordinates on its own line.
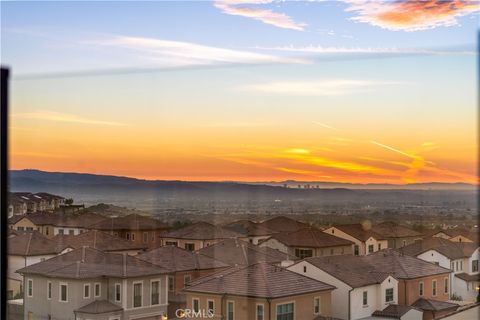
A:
(316, 87)
(324, 125)
(411, 15)
(64, 117)
(317, 49)
(179, 53)
(246, 8)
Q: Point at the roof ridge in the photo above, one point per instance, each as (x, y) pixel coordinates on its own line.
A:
(27, 249)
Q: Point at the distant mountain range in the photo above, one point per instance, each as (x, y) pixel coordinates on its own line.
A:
(92, 189)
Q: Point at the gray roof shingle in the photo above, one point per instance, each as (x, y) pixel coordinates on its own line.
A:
(99, 307)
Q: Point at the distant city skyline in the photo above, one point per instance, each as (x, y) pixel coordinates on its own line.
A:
(245, 90)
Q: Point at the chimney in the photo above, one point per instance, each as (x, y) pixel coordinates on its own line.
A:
(124, 264)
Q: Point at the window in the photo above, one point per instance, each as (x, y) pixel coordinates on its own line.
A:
(186, 280)
(379, 246)
(285, 311)
(49, 290)
(333, 231)
(365, 298)
(137, 295)
(420, 289)
(356, 250)
(389, 295)
(60, 231)
(230, 310)
(475, 266)
(118, 296)
(316, 305)
(404, 243)
(445, 285)
(461, 265)
(453, 266)
(196, 305)
(20, 228)
(370, 248)
(63, 292)
(171, 283)
(171, 243)
(145, 237)
(304, 269)
(456, 265)
(47, 231)
(434, 288)
(190, 246)
(211, 306)
(97, 290)
(86, 291)
(304, 253)
(133, 236)
(71, 232)
(30, 287)
(29, 228)
(127, 235)
(155, 289)
(260, 313)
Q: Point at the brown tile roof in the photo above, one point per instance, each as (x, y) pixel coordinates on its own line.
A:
(394, 230)
(284, 224)
(14, 219)
(87, 263)
(433, 305)
(260, 280)
(359, 231)
(394, 311)
(98, 240)
(48, 196)
(468, 277)
(202, 231)
(358, 271)
(99, 307)
(77, 220)
(249, 228)
(310, 238)
(450, 249)
(177, 259)
(132, 221)
(237, 252)
(32, 244)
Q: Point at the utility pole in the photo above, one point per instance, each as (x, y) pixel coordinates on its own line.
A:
(4, 186)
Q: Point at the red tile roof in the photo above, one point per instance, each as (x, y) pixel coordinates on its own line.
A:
(132, 221)
(310, 238)
(32, 244)
(98, 240)
(202, 231)
(284, 224)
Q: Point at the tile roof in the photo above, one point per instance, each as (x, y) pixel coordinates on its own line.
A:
(433, 305)
(394, 230)
(284, 224)
(98, 240)
(359, 231)
(77, 220)
(87, 263)
(202, 231)
(32, 244)
(358, 271)
(468, 277)
(132, 221)
(99, 307)
(394, 311)
(310, 238)
(177, 259)
(238, 252)
(249, 228)
(450, 249)
(260, 280)
(48, 196)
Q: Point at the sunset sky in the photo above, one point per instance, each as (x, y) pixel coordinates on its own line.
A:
(248, 90)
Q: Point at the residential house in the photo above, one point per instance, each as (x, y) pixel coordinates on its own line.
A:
(258, 292)
(396, 311)
(142, 230)
(102, 241)
(198, 235)
(397, 235)
(457, 234)
(34, 203)
(309, 242)
(53, 201)
(87, 283)
(25, 249)
(460, 257)
(16, 205)
(360, 289)
(433, 309)
(253, 231)
(371, 282)
(283, 224)
(366, 241)
(183, 267)
(236, 252)
(51, 224)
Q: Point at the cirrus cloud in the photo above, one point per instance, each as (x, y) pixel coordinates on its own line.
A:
(411, 15)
